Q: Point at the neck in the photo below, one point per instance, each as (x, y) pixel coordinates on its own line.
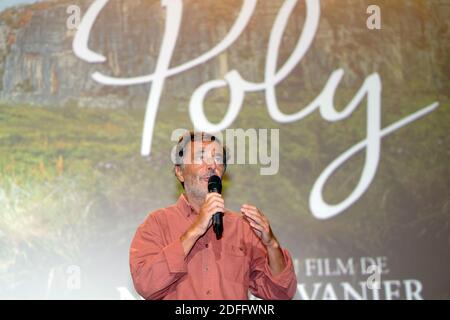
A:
(195, 202)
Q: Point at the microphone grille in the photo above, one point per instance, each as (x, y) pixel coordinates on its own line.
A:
(215, 184)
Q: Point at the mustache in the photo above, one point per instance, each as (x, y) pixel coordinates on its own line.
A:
(208, 175)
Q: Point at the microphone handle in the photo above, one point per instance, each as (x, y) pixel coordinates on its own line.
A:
(217, 220)
(218, 224)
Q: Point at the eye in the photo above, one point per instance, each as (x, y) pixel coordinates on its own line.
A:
(219, 158)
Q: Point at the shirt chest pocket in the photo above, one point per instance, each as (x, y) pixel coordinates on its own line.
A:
(234, 263)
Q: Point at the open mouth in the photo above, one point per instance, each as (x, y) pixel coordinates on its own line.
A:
(206, 178)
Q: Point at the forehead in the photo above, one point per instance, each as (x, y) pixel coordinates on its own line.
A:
(202, 146)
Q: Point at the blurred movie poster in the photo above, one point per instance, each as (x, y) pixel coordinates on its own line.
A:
(336, 113)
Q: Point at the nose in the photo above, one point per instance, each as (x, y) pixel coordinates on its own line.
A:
(212, 164)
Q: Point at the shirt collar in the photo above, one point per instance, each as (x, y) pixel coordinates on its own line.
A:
(184, 205)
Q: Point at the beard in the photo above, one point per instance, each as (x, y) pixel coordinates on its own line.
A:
(195, 187)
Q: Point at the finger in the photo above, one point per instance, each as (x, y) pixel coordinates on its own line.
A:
(216, 206)
(265, 226)
(213, 195)
(256, 212)
(264, 229)
(220, 200)
(254, 219)
(252, 209)
(249, 213)
(248, 206)
(216, 209)
(255, 216)
(214, 200)
(256, 228)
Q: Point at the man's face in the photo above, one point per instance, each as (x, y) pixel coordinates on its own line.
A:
(202, 159)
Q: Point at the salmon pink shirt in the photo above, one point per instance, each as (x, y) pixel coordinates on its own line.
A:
(227, 268)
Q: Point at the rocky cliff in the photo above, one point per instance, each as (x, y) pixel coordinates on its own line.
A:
(37, 64)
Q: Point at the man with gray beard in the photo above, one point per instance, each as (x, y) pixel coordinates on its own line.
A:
(175, 254)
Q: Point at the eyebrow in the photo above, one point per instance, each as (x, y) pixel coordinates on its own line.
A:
(203, 151)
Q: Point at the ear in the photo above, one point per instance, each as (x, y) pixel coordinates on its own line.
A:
(179, 173)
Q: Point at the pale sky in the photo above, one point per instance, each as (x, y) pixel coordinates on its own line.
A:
(9, 3)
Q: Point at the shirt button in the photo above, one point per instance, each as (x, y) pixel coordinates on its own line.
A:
(206, 269)
(208, 292)
(206, 245)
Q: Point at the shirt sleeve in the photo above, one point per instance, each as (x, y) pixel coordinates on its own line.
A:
(155, 267)
(263, 284)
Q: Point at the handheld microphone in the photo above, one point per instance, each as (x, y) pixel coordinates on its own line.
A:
(215, 185)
